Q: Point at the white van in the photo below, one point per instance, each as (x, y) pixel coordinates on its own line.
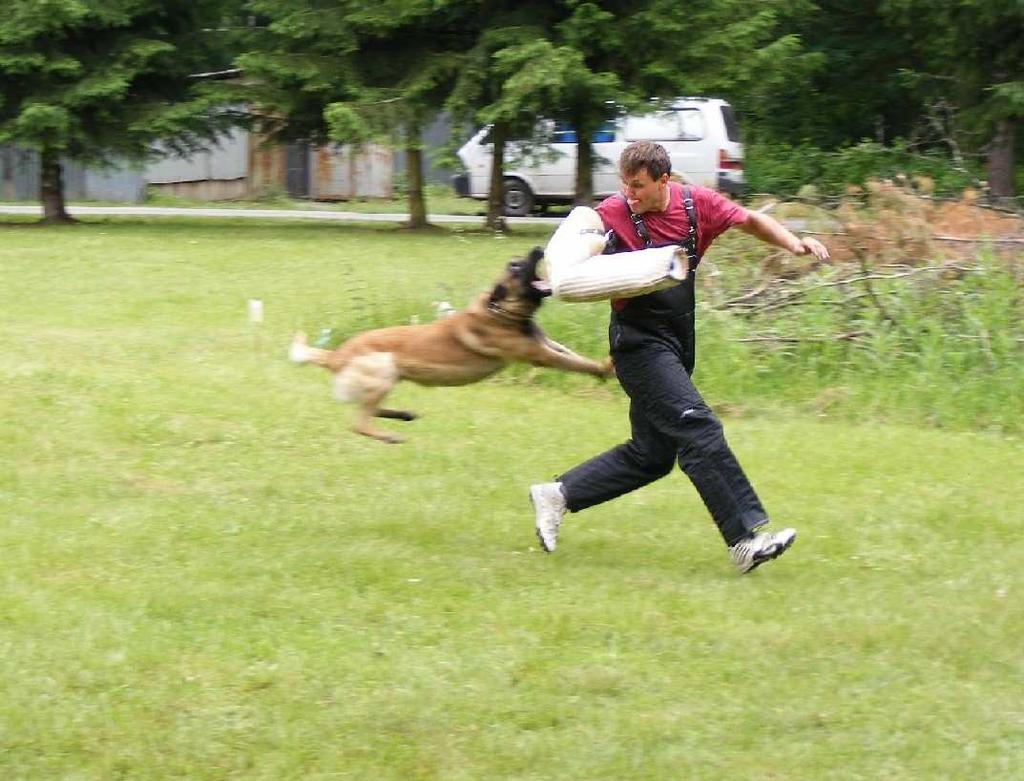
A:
(699, 134)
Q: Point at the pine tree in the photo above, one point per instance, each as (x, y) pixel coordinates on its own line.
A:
(97, 81)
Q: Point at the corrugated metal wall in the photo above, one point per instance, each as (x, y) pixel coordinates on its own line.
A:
(434, 137)
(218, 174)
(238, 167)
(228, 159)
(19, 175)
(339, 173)
(19, 179)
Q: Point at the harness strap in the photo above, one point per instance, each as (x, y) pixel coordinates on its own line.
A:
(638, 225)
(690, 242)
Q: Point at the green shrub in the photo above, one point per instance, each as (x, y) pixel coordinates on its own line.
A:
(938, 349)
(783, 169)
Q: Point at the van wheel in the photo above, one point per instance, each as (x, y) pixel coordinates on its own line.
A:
(517, 198)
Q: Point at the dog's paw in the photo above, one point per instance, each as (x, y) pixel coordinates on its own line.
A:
(607, 368)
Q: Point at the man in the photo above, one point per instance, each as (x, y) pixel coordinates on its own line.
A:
(652, 345)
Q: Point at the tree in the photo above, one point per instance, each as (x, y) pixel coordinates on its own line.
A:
(586, 61)
(970, 55)
(97, 81)
(832, 80)
(484, 91)
(353, 71)
(686, 49)
(297, 60)
(936, 74)
(406, 67)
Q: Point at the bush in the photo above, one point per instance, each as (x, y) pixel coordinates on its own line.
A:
(940, 348)
(783, 169)
(925, 346)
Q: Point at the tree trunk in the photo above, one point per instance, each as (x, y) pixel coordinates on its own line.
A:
(414, 168)
(496, 196)
(1001, 159)
(584, 169)
(51, 188)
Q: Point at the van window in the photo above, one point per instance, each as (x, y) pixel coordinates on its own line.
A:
(566, 133)
(545, 131)
(732, 132)
(604, 134)
(679, 125)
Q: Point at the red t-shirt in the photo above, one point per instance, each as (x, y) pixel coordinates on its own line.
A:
(715, 214)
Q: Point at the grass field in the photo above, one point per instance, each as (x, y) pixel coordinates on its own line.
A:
(205, 576)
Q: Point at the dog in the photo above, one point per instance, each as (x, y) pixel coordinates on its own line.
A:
(496, 329)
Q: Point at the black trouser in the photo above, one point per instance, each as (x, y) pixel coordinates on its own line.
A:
(670, 422)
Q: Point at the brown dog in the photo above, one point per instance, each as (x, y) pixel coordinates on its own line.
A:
(495, 330)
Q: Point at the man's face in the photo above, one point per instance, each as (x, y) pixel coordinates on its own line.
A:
(643, 193)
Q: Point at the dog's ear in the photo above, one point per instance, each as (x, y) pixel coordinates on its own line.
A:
(536, 255)
(499, 292)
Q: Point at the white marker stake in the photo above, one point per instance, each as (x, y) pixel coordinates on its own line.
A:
(255, 309)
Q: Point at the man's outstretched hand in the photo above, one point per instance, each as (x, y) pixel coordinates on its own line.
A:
(809, 246)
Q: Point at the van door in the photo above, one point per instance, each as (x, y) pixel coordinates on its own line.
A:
(685, 135)
(553, 165)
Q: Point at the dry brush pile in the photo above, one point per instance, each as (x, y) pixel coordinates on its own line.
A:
(888, 242)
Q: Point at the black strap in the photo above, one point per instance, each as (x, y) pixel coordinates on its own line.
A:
(689, 244)
(638, 224)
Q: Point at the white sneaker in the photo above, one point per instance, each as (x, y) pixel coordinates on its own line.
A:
(548, 507)
(756, 550)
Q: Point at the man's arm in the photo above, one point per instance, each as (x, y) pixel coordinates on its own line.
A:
(770, 230)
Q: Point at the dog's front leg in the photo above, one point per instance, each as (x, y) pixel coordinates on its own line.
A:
(607, 367)
(557, 347)
(556, 356)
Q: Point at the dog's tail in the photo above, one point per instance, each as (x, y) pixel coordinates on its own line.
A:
(301, 352)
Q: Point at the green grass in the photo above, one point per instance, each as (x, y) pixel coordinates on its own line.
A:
(206, 577)
(441, 199)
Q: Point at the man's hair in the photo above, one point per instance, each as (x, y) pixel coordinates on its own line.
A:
(645, 155)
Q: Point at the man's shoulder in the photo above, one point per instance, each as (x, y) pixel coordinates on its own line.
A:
(613, 202)
(712, 206)
(613, 208)
(696, 190)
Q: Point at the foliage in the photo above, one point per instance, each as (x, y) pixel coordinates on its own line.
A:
(96, 81)
(837, 83)
(783, 169)
(914, 340)
(985, 81)
(297, 61)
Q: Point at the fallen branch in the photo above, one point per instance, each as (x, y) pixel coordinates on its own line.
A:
(979, 239)
(935, 237)
(847, 337)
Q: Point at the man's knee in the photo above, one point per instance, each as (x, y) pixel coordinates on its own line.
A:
(651, 461)
(703, 434)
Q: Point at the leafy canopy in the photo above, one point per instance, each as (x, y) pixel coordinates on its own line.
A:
(97, 80)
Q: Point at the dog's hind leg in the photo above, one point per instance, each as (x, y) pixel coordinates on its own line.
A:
(396, 414)
(366, 380)
(368, 410)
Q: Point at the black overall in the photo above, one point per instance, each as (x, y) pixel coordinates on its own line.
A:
(654, 349)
